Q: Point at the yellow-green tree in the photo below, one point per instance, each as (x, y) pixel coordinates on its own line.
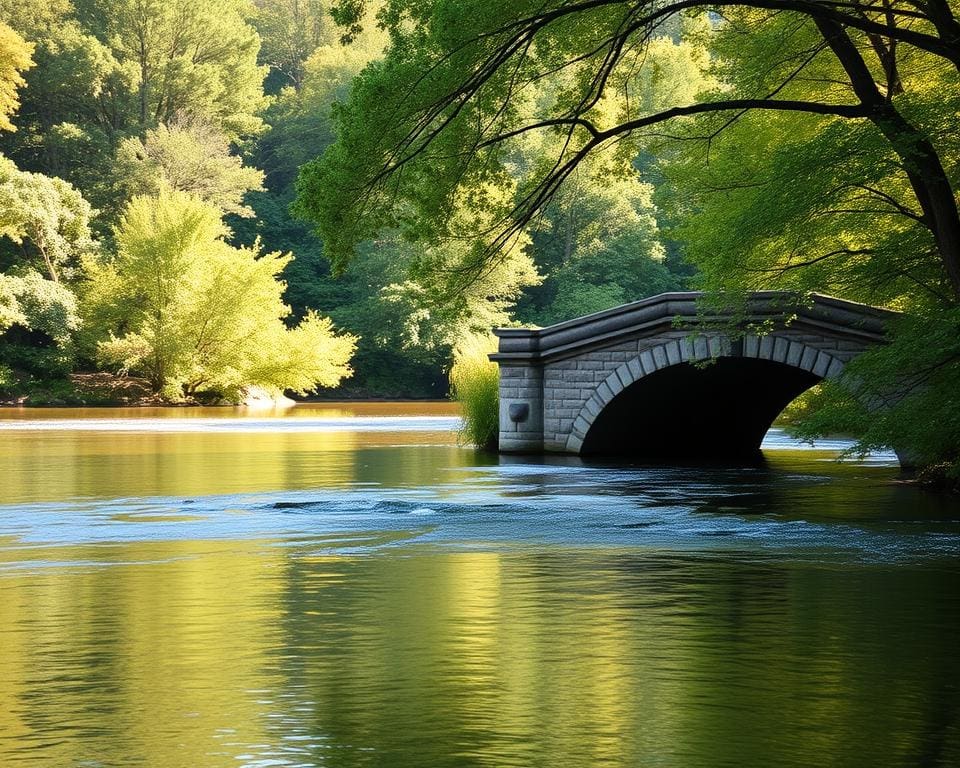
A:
(193, 314)
(14, 59)
(187, 156)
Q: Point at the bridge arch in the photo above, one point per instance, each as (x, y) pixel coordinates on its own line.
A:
(713, 363)
(601, 383)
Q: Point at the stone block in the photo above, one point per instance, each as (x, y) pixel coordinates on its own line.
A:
(850, 346)
(751, 346)
(647, 362)
(794, 353)
(766, 348)
(580, 427)
(613, 381)
(808, 358)
(586, 364)
(512, 445)
(835, 369)
(672, 349)
(822, 363)
(529, 392)
(718, 346)
(701, 350)
(780, 346)
(660, 357)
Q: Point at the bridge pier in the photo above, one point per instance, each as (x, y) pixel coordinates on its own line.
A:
(521, 408)
(656, 378)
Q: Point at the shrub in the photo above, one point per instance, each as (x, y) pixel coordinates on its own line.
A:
(474, 382)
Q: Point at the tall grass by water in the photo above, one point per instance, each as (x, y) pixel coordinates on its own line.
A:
(474, 382)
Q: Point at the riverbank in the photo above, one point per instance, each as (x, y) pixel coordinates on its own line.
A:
(81, 389)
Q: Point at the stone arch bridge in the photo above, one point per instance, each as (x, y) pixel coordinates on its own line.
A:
(663, 378)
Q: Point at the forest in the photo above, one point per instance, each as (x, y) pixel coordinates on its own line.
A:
(219, 195)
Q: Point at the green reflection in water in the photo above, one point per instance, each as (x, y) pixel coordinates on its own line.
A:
(290, 651)
(231, 654)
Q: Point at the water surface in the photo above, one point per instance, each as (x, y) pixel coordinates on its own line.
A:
(344, 585)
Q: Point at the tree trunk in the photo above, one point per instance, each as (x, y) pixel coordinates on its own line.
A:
(940, 15)
(920, 160)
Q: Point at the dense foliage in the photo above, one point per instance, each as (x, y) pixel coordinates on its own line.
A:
(817, 152)
(142, 109)
(226, 101)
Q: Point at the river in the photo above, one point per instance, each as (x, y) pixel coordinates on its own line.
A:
(344, 585)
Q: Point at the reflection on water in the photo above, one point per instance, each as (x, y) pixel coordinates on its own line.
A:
(265, 596)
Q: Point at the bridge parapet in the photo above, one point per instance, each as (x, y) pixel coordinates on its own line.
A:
(556, 381)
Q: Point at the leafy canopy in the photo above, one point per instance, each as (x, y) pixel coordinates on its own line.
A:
(188, 58)
(186, 156)
(38, 305)
(14, 61)
(194, 314)
(443, 109)
(47, 218)
(819, 152)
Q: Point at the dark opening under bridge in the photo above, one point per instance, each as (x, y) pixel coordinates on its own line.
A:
(632, 380)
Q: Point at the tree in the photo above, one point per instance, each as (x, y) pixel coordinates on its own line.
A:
(194, 314)
(47, 219)
(186, 156)
(815, 203)
(400, 351)
(291, 31)
(444, 99)
(111, 69)
(598, 244)
(14, 61)
(69, 111)
(38, 319)
(182, 58)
